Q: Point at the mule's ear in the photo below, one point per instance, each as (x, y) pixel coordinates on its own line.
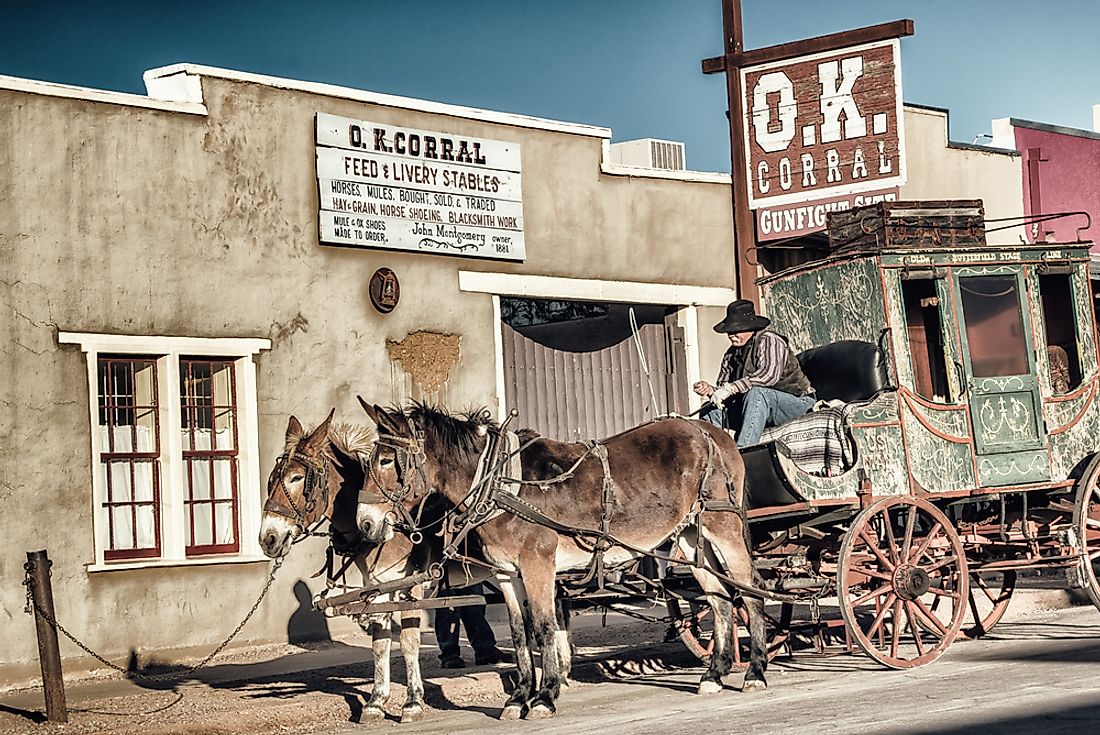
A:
(381, 418)
(368, 408)
(320, 435)
(294, 430)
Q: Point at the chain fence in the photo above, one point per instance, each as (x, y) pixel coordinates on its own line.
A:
(33, 607)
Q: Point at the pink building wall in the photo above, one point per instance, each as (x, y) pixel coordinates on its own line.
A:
(1061, 173)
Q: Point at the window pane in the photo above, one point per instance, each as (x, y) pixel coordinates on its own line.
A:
(147, 527)
(200, 479)
(226, 521)
(120, 491)
(226, 434)
(122, 527)
(123, 439)
(144, 482)
(201, 516)
(223, 479)
(994, 325)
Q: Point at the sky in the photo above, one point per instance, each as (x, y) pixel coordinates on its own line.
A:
(629, 65)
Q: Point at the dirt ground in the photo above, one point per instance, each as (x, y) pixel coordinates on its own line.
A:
(295, 689)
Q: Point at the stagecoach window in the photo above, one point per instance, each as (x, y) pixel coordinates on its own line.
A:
(994, 325)
(174, 441)
(926, 344)
(1060, 328)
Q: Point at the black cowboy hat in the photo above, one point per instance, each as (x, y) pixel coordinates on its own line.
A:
(741, 316)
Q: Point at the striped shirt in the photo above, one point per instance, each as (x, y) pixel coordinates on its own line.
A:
(771, 357)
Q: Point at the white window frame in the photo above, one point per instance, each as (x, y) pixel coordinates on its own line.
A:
(173, 490)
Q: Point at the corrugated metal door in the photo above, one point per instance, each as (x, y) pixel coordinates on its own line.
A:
(586, 378)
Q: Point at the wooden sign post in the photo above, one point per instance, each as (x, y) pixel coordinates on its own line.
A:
(731, 63)
(49, 655)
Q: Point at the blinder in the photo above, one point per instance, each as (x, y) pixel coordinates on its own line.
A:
(315, 484)
(409, 457)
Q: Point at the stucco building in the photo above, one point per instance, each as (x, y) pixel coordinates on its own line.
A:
(180, 275)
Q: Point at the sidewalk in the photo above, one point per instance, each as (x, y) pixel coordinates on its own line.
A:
(304, 688)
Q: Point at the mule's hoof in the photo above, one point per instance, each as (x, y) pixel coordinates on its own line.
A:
(754, 685)
(710, 687)
(414, 713)
(540, 712)
(511, 712)
(565, 684)
(372, 714)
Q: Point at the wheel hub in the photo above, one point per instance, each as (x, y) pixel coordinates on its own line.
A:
(910, 582)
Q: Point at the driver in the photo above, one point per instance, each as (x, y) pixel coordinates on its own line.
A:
(760, 382)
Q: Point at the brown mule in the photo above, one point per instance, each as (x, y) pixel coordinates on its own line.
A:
(660, 474)
(319, 476)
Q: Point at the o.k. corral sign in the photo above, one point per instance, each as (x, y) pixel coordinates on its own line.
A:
(822, 132)
(386, 186)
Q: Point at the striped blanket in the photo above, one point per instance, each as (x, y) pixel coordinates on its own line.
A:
(817, 442)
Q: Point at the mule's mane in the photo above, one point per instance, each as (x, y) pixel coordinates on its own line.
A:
(354, 440)
(458, 435)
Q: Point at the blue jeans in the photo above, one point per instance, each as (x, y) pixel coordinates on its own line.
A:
(760, 407)
(472, 617)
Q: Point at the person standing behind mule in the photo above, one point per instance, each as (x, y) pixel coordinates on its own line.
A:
(760, 382)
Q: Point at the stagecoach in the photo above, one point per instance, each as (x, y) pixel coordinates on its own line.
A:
(954, 446)
(961, 445)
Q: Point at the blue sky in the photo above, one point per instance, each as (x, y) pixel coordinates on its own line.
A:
(630, 65)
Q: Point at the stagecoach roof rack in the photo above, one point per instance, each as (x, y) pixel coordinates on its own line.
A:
(925, 228)
(904, 225)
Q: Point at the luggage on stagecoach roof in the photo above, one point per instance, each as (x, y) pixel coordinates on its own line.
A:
(907, 224)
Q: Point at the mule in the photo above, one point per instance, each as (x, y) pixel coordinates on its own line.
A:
(318, 477)
(647, 488)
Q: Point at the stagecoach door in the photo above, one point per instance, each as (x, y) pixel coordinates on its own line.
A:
(1001, 380)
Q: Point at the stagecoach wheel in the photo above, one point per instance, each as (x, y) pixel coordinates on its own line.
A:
(990, 593)
(1086, 522)
(903, 584)
(694, 623)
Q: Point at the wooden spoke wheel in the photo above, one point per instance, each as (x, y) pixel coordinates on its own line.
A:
(694, 622)
(1086, 524)
(990, 593)
(903, 584)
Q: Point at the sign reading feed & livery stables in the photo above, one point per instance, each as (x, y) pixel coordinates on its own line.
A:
(822, 132)
(385, 186)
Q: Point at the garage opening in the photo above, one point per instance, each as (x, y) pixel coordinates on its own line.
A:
(579, 370)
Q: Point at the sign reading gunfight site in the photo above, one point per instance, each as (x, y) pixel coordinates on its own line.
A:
(386, 186)
(822, 127)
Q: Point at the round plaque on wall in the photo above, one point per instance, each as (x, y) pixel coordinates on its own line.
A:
(384, 290)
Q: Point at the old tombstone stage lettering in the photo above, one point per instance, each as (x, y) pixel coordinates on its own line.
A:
(824, 124)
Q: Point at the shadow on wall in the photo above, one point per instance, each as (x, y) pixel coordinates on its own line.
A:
(306, 625)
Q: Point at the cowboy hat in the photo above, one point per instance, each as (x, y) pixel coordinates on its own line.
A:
(741, 316)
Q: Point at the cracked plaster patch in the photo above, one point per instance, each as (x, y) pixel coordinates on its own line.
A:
(428, 357)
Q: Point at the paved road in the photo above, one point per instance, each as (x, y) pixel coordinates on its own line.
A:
(1038, 675)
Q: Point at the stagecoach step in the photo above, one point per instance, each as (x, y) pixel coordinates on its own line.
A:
(372, 608)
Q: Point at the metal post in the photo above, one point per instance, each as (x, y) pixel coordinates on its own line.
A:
(49, 655)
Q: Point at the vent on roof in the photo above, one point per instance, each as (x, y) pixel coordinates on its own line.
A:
(649, 153)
